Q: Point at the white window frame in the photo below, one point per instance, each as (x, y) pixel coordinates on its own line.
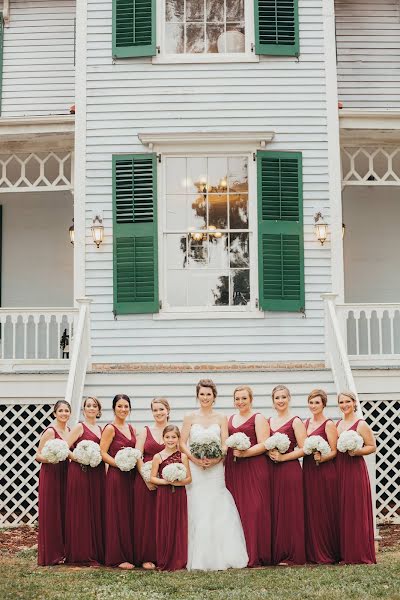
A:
(247, 56)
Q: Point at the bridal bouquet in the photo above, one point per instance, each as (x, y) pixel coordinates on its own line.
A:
(55, 451)
(349, 440)
(126, 458)
(174, 472)
(238, 441)
(278, 441)
(146, 470)
(206, 445)
(316, 443)
(87, 453)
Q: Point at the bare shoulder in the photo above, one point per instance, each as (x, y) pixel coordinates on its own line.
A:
(330, 426)
(363, 427)
(221, 418)
(260, 418)
(47, 435)
(108, 430)
(189, 418)
(298, 423)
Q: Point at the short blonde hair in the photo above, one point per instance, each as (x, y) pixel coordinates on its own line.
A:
(350, 395)
(279, 388)
(245, 388)
(321, 394)
(162, 401)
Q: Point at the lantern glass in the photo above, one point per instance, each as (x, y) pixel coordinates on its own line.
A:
(97, 234)
(321, 231)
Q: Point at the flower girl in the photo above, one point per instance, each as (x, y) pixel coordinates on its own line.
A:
(171, 472)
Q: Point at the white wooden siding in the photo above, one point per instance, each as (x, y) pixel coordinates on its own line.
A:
(38, 64)
(285, 95)
(368, 53)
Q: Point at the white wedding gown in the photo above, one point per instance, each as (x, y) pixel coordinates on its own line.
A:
(216, 539)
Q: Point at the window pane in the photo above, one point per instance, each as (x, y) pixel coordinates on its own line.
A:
(176, 175)
(237, 178)
(215, 38)
(177, 288)
(176, 251)
(197, 211)
(240, 285)
(198, 288)
(177, 213)
(194, 10)
(217, 211)
(239, 250)
(194, 38)
(235, 10)
(215, 11)
(219, 284)
(218, 252)
(238, 211)
(197, 174)
(198, 255)
(174, 10)
(174, 40)
(217, 174)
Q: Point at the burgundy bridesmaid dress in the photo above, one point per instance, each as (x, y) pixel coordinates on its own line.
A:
(288, 544)
(171, 522)
(85, 509)
(145, 509)
(248, 481)
(321, 506)
(355, 509)
(119, 512)
(52, 490)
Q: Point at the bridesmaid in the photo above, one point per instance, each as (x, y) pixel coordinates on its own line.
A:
(85, 496)
(52, 488)
(119, 487)
(248, 478)
(171, 508)
(288, 546)
(355, 501)
(320, 487)
(149, 442)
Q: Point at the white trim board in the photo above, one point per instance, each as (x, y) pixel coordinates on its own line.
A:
(199, 141)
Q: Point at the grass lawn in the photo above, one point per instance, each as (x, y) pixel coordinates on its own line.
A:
(21, 578)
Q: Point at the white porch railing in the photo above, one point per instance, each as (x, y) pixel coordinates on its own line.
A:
(371, 333)
(33, 335)
(80, 360)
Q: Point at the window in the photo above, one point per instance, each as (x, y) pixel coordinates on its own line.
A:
(206, 233)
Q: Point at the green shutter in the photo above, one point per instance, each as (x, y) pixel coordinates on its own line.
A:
(1, 57)
(277, 27)
(135, 234)
(280, 231)
(134, 28)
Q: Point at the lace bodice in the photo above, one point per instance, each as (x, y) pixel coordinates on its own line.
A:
(197, 430)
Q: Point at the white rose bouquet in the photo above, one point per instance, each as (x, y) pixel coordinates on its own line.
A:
(146, 470)
(316, 443)
(206, 445)
(238, 441)
(126, 458)
(174, 472)
(349, 440)
(55, 451)
(87, 453)
(278, 441)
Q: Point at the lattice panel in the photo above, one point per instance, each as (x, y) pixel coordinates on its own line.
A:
(371, 165)
(383, 417)
(20, 429)
(36, 171)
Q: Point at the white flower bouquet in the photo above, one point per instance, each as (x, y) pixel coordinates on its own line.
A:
(126, 458)
(238, 441)
(278, 441)
(316, 443)
(174, 472)
(146, 471)
(206, 445)
(87, 453)
(55, 451)
(349, 440)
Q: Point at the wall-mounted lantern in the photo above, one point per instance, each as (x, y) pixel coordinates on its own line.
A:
(97, 229)
(320, 228)
(71, 232)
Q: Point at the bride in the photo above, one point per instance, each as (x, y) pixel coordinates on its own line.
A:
(216, 539)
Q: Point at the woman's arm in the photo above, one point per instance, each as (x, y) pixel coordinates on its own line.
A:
(300, 434)
(47, 435)
(332, 435)
(72, 436)
(369, 441)
(188, 478)
(262, 433)
(106, 438)
(154, 470)
(185, 432)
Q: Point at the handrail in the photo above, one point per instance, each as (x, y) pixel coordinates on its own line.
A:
(80, 360)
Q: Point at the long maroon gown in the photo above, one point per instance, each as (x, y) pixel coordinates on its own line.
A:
(52, 488)
(288, 544)
(145, 509)
(85, 509)
(171, 522)
(355, 509)
(321, 506)
(119, 512)
(248, 481)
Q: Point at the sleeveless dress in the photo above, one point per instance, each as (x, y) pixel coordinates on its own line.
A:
(287, 506)
(321, 506)
(171, 522)
(248, 481)
(52, 488)
(216, 539)
(145, 509)
(119, 505)
(85, 509)
(355, 509)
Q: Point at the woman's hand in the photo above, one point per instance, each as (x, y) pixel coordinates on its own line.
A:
(151, 486)
(240, 453)
(210, 462)
(354, 453)
(317, 457)
(275, 455)
(198, 461)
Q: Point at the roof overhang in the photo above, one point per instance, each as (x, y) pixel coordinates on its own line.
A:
(22, 132)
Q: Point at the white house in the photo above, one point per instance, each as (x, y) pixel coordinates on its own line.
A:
(206, 146)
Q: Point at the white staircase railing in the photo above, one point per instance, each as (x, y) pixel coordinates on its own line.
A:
(80, 360)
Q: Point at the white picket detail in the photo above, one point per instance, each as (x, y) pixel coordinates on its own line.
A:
(36, 171)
